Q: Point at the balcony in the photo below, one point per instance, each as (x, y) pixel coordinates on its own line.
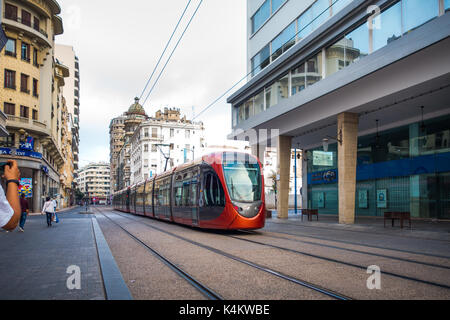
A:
(27, 124)
(34, 31)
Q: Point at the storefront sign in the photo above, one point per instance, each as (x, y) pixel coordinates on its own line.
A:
(5, 151)
(20, 153)
(382, 199)
(321, 158)
(323, 177)
(363, 199)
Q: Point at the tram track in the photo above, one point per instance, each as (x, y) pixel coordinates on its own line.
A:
(353, 243)
(356, 231)
(300, 282)
(393, 274)
(349, 250)
(203, 289)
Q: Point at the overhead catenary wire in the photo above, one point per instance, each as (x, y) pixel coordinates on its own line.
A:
(164, 51)
(259, 65)
(173, 51)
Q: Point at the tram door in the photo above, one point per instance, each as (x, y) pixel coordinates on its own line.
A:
(127, 200)
(195, 186)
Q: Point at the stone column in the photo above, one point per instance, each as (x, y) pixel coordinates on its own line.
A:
(284, 166)
(37, 191)
(347, 153)
(304, 165)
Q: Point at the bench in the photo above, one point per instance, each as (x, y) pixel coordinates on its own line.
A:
(397, 216)
(310, 213)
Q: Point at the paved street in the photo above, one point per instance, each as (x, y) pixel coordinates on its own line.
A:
(276, 263)
(34, 263)
(414, 264)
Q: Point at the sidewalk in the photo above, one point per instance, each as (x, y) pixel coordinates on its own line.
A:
(58, 211)
(34, 264)
(425, 229)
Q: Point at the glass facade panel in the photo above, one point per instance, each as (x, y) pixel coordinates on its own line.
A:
(268, 93)
(259, 102)
(283, 41)
(338, 5)
(391, 27)
(298, 79)
(410, 165)
(261, 60)
(314, 70)
(417, 12)
(447, 5)
(248, 109)
(234, 120)
(389, 146)
(320, 13)
(261, 16)
(241, 115)
(276, 4)
(335, 56)
(305, 24)
(277, 91)
(356, 45)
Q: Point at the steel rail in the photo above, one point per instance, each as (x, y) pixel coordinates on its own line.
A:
(207, 292)
(300, 282)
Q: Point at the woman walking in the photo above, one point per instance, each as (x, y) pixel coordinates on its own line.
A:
(48, 209)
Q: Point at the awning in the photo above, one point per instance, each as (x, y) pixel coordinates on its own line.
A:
(3, 132)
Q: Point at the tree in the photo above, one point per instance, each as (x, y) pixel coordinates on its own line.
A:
(273, 177)
(79, 195)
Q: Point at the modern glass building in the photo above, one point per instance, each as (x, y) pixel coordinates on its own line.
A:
(363, 88)
(408, 166)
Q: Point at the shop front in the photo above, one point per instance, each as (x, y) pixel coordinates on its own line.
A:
(38, 179)
(403, 169)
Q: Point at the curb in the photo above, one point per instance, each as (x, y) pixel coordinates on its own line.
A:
(114, 284)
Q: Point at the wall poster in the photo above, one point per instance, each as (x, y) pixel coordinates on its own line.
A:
(363, 199)
(382, 199)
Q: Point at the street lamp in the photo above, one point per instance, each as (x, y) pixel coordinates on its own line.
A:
(326, 140)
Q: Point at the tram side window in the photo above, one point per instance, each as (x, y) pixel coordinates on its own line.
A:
(165, 193)
(148, 195)
(193, 193)
(186, 186)
(214, 193)
(178, 191)
(156, 196)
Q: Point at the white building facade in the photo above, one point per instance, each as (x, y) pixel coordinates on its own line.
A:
(156, 140)
(94, 181)
(66, 55)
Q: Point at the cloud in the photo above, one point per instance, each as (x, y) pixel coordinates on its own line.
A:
(118, 46)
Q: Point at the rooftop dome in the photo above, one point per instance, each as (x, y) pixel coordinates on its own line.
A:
(136, 108)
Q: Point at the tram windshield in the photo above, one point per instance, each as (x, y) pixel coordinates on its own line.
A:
(243, 179)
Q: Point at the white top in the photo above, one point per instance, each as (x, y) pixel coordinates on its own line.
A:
(48, 207)
(6, 212)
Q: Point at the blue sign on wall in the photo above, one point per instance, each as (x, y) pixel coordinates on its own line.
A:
(20, 153)
(28, 144)
(435, 163)
(323, 177)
